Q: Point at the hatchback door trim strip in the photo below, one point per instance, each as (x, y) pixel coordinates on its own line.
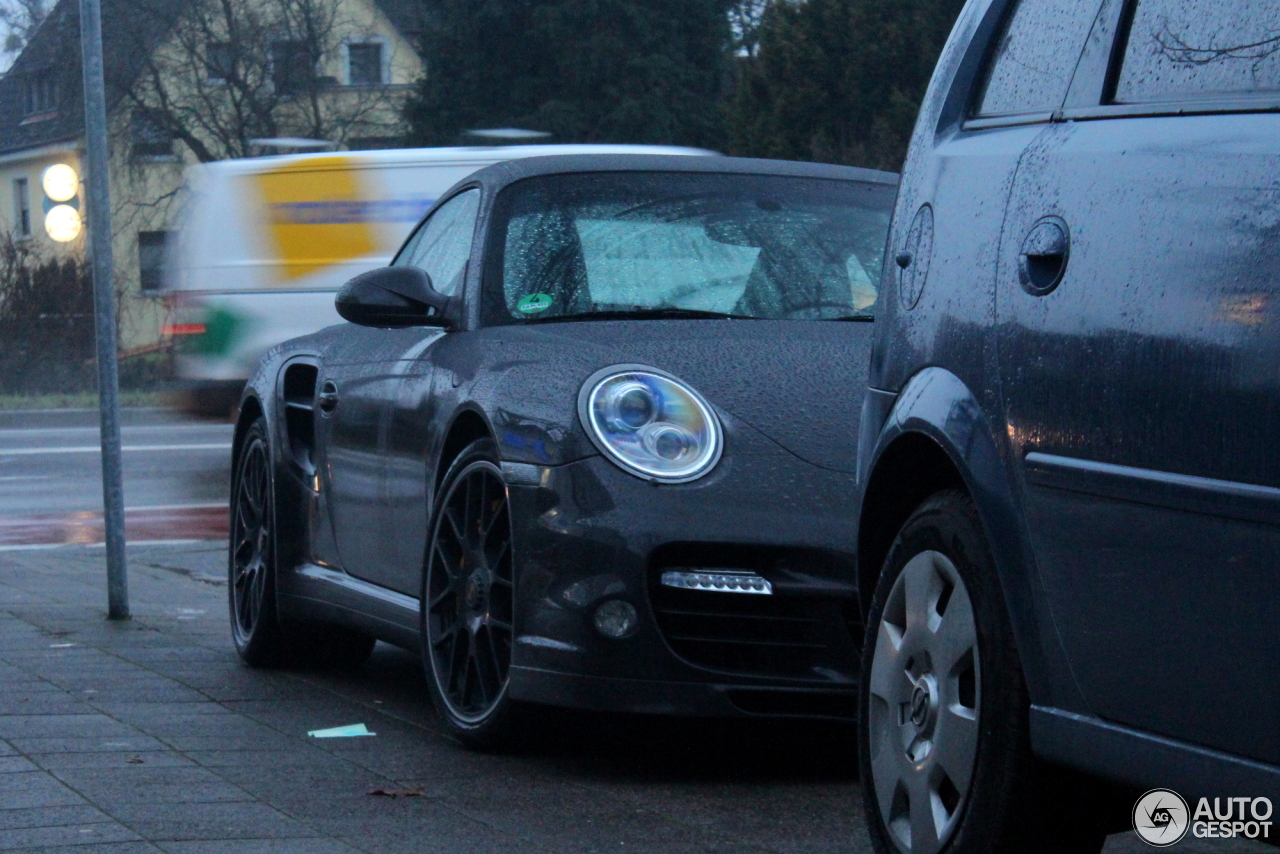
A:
(1225, 498)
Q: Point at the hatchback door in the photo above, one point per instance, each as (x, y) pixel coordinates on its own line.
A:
(1139, 316)
(947, 221)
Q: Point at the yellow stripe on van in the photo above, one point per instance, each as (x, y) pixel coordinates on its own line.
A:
(309, 207)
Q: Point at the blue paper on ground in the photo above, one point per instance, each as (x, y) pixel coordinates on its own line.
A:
(348, 731)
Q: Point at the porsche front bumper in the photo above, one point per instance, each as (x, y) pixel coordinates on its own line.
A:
(587, 533)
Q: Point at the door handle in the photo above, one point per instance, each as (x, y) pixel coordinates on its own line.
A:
(1045, 252)
(328, 398)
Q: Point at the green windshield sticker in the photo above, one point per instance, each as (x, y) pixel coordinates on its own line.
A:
(533, 303)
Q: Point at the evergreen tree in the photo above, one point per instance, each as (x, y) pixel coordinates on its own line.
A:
(838, 81)
(639, 71)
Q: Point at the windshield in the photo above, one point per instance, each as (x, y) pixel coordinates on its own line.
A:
(652, 245)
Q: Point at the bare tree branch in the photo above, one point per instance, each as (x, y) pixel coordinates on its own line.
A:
(744, 23)
(20, 19)
(232, 71)
(1177, 50)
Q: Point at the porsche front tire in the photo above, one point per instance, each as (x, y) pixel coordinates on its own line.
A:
(468, 601)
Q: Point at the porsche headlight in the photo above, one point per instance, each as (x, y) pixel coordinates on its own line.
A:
(651, 424)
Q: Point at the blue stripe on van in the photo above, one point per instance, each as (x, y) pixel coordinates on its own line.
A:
(364, 210)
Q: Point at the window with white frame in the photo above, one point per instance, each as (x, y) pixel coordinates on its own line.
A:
(151, 139)
(151, 252)
(219, 61)
(365, 63)
(21, 208)
(293, 66)
(41, 94)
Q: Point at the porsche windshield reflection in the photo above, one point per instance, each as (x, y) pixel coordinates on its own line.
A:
(748, 246)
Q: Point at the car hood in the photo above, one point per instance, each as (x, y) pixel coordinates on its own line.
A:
(800, 383)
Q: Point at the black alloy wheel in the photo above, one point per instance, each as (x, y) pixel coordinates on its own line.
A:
(943, 711)
(260, 637)
(255, 628)
(468, 596)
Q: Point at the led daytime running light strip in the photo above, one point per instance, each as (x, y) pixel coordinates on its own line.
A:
(718, 582)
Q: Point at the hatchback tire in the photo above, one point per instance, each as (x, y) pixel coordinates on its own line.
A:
(943, 725)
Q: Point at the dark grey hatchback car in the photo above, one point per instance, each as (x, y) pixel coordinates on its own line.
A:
(1070, 452)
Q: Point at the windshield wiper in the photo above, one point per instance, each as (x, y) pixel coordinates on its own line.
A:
(669, 313)
(856, 318)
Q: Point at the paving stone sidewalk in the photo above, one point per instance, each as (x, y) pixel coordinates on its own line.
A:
(151, 736)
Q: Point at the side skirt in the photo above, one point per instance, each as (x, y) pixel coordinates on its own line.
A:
(1144, 760)
(316, 594)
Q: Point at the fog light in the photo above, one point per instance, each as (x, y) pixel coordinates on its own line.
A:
(616, 618)
(718, 582)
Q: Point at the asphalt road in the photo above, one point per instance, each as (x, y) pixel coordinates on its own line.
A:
(176, 476)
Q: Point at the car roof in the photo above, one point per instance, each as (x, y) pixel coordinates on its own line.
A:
(510, 171)
(480, 155)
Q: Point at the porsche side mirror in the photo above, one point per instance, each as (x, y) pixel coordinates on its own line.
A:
(393, 298)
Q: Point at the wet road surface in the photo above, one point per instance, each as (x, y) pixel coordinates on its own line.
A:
(176, 477)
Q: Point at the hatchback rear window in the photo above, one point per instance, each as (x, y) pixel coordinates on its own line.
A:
(1180, 49)
(646, 243)
(1034, 59)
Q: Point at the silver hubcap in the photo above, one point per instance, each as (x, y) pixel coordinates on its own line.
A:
(923, 715)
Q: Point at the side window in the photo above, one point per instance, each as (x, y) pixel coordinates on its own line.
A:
(1182, 49)
(442, 246)
(21, 208)
(1035, 57)
(151, 250)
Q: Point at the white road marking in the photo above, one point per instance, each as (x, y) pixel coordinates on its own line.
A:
(207, 505)
(44, 546)
(132, 428)
(94, 449)
(71, 410)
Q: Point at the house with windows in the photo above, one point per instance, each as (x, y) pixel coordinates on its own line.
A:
(190, 81)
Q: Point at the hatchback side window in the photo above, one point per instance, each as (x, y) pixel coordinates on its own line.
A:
(442, 246)
(1180, 49)
(1034, 59)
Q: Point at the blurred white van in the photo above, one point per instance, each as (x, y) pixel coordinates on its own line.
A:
(265, 242)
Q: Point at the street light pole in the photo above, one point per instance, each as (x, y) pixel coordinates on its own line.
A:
(98, 208)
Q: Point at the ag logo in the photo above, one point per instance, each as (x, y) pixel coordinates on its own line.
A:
(1160, 817)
